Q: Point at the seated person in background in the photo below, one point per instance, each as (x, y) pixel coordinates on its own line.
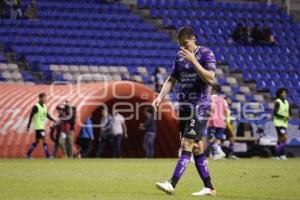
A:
(243, 34)
(257, 34)
(268, 36)
(238, 32)
(247, 35)
(31, 12)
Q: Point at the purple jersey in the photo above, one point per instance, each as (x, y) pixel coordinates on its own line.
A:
(191, 88)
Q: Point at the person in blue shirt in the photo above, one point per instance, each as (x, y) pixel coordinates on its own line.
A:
(86, 138)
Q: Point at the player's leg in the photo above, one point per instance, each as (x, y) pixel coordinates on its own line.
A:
(219, 135)
(45, 145)
(201, 164)
(230, 135)
(34, 144)
(56, 147)
(211, 148)
(70, 144)
(229, 132)
(282, 140)
(151, 139)
(280, 147)
(183, 161)
(62, 144)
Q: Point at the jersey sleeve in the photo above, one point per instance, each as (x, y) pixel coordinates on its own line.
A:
(174, 72)
(209, 61)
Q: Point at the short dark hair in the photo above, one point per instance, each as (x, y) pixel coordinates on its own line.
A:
(42, 95)
(216, 88)
(185, 32)
(227, 97)
(281, 90)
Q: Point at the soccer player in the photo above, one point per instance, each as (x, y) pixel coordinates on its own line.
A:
(194, 71)
(39, 114)
(281, 114)
(216, 123)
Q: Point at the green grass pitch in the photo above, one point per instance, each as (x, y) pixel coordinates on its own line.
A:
(128, 179)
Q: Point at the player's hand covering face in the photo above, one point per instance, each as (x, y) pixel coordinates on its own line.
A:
(190, 56)
(187, 48)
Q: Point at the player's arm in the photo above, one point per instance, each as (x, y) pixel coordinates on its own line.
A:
(50, 118)
(33, 112)
(167, 87)
(206, 75)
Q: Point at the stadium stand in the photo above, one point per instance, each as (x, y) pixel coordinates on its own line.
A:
(73, 37)
(106, 41)
(270, 67)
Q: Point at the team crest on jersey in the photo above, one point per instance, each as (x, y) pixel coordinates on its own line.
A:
(192, 132)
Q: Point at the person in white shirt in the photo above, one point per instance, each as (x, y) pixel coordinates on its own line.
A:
(119, 130)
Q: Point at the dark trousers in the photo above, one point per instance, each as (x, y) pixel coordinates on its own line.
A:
(149, 144)
(69, 144)
(107, 139)
(118, 145)
(85, 146)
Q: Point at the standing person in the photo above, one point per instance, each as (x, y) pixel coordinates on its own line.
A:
(70, 117)
(106, 136)
(86, 138)
(39, 114)
(119, 130)
(281, 116)
(150, 132)
(230, 130)
(62, 129)
(216, 123)
(194, 70)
